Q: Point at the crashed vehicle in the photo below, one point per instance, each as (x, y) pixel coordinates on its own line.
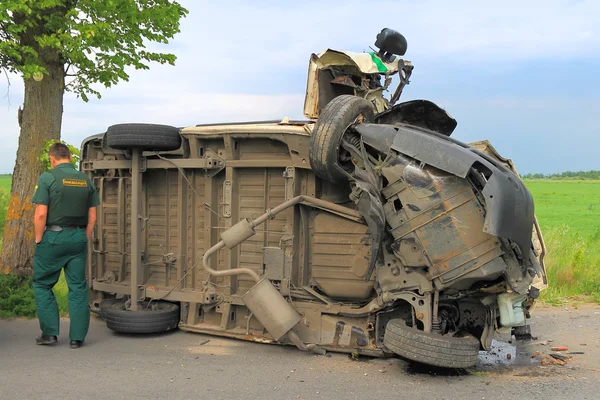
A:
(364, 229)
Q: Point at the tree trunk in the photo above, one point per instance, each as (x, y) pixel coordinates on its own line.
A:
(40, 121)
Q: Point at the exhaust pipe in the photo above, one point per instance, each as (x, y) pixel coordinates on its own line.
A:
(265, 302)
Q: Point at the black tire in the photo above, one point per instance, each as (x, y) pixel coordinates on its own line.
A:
(149, 137)
(430, 348)
(106, 303)
(325, 141)
(160, 316)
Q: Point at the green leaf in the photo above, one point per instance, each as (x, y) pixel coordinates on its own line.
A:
(45, 160)
(98, 39)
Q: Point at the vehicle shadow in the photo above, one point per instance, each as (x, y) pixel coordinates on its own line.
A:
(146, 335)
(413, 368)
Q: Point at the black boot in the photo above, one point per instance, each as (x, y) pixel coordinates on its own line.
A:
(46, 340)
(75, 344)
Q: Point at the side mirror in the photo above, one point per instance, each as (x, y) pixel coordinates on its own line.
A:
(390, 43)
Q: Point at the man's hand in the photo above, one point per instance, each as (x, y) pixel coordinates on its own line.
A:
(91, 222)
(39, 221)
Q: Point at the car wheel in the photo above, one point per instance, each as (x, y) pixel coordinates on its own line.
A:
(430, 348)
(334, 120)
(153, 317)
(143, 136)
(106, 303)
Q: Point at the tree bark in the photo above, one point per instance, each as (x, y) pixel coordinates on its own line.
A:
(41, 120)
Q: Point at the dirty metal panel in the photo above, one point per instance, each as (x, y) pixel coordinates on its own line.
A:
(337, 331)
(262, 149)
(273, 263)
(275, 195)
(160, 191)
(160, 225)
(107, 225)
(453, 232)
(339, 254)
(251, 191)
(427, 215)
(108, 253)
(469, 261)
(220, 224)
(196, 216)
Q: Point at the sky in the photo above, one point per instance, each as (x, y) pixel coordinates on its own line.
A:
(522, 74)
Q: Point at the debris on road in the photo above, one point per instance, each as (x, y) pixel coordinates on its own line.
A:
(559, 348)
(549, 360)
(561, 357)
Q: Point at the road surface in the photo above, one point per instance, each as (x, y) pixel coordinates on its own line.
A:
(180, 365)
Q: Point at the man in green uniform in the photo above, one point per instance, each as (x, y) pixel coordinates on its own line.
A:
(65, 215)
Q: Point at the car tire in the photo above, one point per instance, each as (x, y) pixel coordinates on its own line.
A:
(430, 348)
(159, 316)
(327, 134)
(106, 303)
(148, 137)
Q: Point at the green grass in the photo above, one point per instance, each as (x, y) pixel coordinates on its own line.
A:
(5, 182)
(569, 216)
(17, 300)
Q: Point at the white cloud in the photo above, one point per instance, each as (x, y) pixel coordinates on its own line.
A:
(177, 109)
(285, 35)
(228, 56)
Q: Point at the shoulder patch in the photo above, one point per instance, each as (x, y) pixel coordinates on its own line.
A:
(74, 182)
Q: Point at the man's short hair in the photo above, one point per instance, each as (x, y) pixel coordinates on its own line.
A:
(59, 151)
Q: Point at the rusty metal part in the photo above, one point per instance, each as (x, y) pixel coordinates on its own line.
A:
(238, 233)
(421, 305)
(293, 336)
(271, 309)
(136, 240)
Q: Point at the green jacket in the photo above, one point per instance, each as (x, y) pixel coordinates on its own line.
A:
(68, 193)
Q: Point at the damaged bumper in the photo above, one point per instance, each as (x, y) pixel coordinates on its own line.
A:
(509, 205)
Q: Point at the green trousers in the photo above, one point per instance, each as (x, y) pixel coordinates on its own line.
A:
(65, 249)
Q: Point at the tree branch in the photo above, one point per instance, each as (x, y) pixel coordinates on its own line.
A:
(8, 86)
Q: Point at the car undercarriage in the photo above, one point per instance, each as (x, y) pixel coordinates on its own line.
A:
(365, 229)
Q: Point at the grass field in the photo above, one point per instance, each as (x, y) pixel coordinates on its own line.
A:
(569, 215)
(5, 182)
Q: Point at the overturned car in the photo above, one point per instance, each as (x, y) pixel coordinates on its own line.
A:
(364, 229)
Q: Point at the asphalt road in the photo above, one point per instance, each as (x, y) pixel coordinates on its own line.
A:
(180, 365)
